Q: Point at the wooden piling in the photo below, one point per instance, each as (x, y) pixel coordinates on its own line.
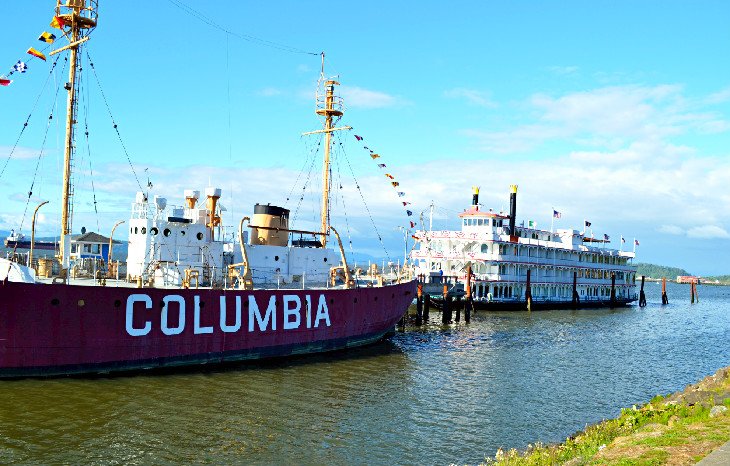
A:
(457, 306)
(642, 295)
(446, 311)
(426, 306)
(419, 305)
(665, 299)
(528, 292)
(468, 305)
(613, 289)
(576, 299)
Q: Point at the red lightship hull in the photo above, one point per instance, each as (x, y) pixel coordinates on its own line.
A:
(51, 330)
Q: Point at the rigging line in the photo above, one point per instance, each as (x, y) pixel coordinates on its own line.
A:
(88, 151)
(25, 125)
(306, 161)
(342, 195)
(286, 48)
(98, 82)
(357, 185)
(38, 161)
(304, 187)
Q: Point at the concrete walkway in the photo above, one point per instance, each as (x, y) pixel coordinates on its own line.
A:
(719, 457)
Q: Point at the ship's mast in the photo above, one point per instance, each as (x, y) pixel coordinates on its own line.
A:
(329, 105)
(79, 19)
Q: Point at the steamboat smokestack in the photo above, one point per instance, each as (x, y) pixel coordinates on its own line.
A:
(512, 208)
(475, 196)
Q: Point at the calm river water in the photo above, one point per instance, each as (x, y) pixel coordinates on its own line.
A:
(430, 395)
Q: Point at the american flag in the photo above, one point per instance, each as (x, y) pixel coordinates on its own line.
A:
(636, 242)
(556, 214)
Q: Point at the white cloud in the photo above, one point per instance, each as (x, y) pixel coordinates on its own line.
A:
(474, 97)
(21, 153)
(719, 97)
(563, 70)
(616, 114)
(358, 97)
(708, 232)
(269, 92)
(671, 230)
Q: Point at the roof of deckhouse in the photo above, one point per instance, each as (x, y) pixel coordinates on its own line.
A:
(475, 212)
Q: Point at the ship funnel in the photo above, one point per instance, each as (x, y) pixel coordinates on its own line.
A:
(475, 196)
(512, 208)
(191, 198)
(212, 195)
(271, 218)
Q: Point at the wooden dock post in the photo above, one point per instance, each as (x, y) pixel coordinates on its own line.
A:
(469, 304)
(693, 292)
(576, 299)
(457, 305)
(419, 305)
(426, 306)
(613, 289)
(665, 299)
(642, 295)
(528, 292)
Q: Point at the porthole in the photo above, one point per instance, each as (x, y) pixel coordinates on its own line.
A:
(276, 258)
(325, 259)
(182, 232)
(166, 232)
(143, 230)
(332, 301)
(135, 230)
(131, 230)
(55, 301)
(117, 303)
(81, 303)
(199, 236)
(154, 231)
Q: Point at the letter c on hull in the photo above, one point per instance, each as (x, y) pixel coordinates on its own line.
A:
(131, 330)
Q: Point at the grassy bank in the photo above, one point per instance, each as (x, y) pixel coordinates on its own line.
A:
(681, 428)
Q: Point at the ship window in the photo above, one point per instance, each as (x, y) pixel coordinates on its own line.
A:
(144, 230)
(464, 222)
(485, 248)
(199, 236)
(166, 232)
(135, 230)
(480, 222)
(131, 230)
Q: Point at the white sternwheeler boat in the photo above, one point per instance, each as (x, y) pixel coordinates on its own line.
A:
(510, 267)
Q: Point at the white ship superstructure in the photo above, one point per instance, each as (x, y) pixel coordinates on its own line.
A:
(506, 260)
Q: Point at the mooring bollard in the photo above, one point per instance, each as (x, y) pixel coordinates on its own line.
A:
(419, 305)
(665, 299)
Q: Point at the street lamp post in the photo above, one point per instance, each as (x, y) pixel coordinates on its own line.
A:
(111, 247)
(32, 233)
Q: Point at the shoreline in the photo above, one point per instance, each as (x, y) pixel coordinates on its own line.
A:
(680, 428)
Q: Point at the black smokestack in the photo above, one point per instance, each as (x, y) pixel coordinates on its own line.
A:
(512, 209)
(475, 196)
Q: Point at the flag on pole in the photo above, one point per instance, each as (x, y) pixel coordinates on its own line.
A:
(636, 242)
(623, 240)
(20, 66)
(374, 156)
(359, 138)
(5, 82)
(36, 53)
(587, 223)
(47, 37)
(556, 214)
(605, 237)
(58, 22)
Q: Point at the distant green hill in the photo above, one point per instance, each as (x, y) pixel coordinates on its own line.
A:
(659, 271)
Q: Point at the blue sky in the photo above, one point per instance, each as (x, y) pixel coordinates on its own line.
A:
(615, 112)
